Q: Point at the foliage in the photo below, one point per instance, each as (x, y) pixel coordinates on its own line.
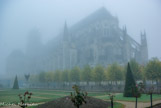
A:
(64, 75)
(75, 74)
(114, 72)
(49, 77)
(27, 77)
(136, 69)
(77, 97)
(86, 73)
(15, 85)
(23, 99)
(98, 74)
(42, 77)
(57, 75)
(130, 85)
(153, 69)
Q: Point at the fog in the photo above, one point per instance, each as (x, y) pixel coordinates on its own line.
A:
(19, 17)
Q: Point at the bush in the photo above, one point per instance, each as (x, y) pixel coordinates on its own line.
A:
(130, 85)
(15, 85)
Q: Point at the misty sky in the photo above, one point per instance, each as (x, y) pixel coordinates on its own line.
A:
(18, 17)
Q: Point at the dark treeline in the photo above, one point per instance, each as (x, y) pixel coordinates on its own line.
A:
(114, 72)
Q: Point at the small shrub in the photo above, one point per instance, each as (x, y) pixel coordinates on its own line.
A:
(78, 98)
(23, 98)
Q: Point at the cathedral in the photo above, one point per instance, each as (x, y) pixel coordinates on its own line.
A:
(95, 40)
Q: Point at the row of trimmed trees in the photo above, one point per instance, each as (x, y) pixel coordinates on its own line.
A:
(114, 72)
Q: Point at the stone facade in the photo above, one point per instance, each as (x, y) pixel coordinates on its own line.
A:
(97, 39)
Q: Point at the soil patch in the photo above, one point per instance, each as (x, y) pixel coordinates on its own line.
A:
(65, 102)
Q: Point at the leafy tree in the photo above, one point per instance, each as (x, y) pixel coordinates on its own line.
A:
(86, 74)
(64, 76)
(15, 85)
(42, 77)
(130, 85)
(27, 76)
(136, 69)
(153, 69)
(114, 72)
(49, 76)
(57, 75)
(98, 73)
(74, 74)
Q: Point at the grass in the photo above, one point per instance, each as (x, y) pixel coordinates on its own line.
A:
(118, 105)
(11, 96)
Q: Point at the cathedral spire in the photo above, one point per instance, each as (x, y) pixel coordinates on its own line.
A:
(143, 38)
(144, 48)
(124, 29)
(65, 33)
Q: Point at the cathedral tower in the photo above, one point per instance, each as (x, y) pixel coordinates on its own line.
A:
(144, 48)
(126, 50)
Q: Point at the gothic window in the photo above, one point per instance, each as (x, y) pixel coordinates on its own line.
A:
(121, 38)
(133, 46)
(106, 32)
(133, 54)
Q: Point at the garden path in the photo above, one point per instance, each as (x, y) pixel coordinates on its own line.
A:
(140, 104)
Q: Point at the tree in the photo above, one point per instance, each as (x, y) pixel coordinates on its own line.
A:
(153, 70)
(130, 85)
(98, 74)
(74, 74)
(42, 77)
(114, 72)
(86, 74)
(15, 85)
(136, 69)
(49, 76)
(57, 75)
(64, 75)
(27, 77)
(111, 96)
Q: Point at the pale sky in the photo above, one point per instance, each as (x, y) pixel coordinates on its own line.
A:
(18, 17)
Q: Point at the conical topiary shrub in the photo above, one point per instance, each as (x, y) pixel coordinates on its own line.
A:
(15, 85)
(130, 85)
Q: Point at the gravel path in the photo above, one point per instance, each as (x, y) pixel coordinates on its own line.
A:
(139, 105)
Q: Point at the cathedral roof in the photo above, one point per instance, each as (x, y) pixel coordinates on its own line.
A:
(98, 15)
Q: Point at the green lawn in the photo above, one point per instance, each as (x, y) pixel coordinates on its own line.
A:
(11, 96)
(38, 95)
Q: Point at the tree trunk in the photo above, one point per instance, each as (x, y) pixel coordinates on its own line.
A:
(157, 85)
(151, 100)
(136, 102)
(112, 103)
